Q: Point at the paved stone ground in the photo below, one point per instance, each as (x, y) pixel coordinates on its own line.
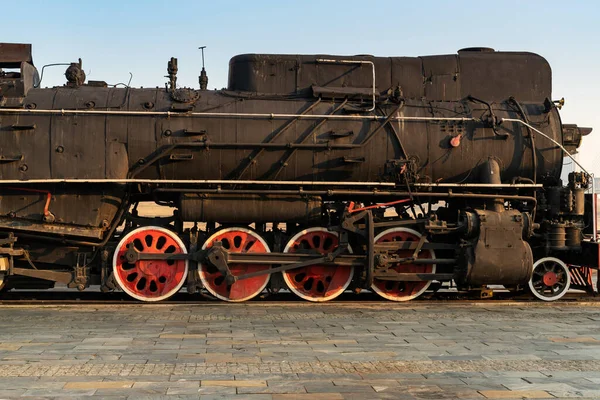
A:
(276, 351)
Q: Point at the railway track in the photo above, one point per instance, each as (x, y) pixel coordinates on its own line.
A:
(70, 297)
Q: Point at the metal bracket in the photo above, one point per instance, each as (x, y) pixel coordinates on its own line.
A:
(56, 276)
(349, 223)
(217, 256)
(181, 157)
(419, 247)
(160, 221)
(10, 251)
(80, 275)
(337, 135)
(353, 160)
(411, 277)
(190, 132)
(358, 62)
(370, 250)
(22, 127)
(11, 158)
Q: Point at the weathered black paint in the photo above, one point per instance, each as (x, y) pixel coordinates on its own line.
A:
(436, 119)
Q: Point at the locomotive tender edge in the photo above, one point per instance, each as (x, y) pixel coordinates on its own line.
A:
(312, 173)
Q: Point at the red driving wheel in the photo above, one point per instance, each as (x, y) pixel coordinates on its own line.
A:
(316, 282)
(403, 291)
(150, 280)
(236, 240)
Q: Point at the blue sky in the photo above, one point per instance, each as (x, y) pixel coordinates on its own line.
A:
(117, 37)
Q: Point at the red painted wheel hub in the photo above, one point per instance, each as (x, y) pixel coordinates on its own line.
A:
(403, 291)
(236, 240)
(316, 282)
(550, 278)
(150, 280)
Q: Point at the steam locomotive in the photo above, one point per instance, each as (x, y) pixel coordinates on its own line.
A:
(313, 173)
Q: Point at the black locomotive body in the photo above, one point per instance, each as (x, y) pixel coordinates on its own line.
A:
(330, 172)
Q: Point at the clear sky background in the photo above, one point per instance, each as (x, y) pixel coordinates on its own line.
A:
(117, 37)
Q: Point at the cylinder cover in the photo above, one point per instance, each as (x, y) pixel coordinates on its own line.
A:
(499, 255)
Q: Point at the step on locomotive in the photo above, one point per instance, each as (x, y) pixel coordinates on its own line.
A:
(316, 174)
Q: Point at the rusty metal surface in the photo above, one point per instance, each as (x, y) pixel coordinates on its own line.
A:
(13, 54)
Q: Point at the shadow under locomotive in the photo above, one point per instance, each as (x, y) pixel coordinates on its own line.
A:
(317, 174)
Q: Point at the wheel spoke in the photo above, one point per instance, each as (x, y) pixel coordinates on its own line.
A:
(250, 245)
(546, 267)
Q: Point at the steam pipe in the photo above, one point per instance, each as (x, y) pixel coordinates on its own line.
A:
(502, 120)
(173, 114)
(194, 182)
(481, 185)
(449, 195)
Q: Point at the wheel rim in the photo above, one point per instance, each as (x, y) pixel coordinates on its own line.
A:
(317, 282)
(550, 279)
(150, 280)
(404, 291)
(236, 240)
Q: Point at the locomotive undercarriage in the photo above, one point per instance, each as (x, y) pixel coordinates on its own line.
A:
(396, 243)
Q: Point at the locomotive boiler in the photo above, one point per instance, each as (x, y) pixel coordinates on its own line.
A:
(313, 173)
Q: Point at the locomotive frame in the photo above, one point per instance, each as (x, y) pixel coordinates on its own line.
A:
(365, 182)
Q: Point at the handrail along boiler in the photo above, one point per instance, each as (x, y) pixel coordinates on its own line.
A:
(312, 173)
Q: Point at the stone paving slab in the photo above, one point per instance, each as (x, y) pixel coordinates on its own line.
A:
(279, 351)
